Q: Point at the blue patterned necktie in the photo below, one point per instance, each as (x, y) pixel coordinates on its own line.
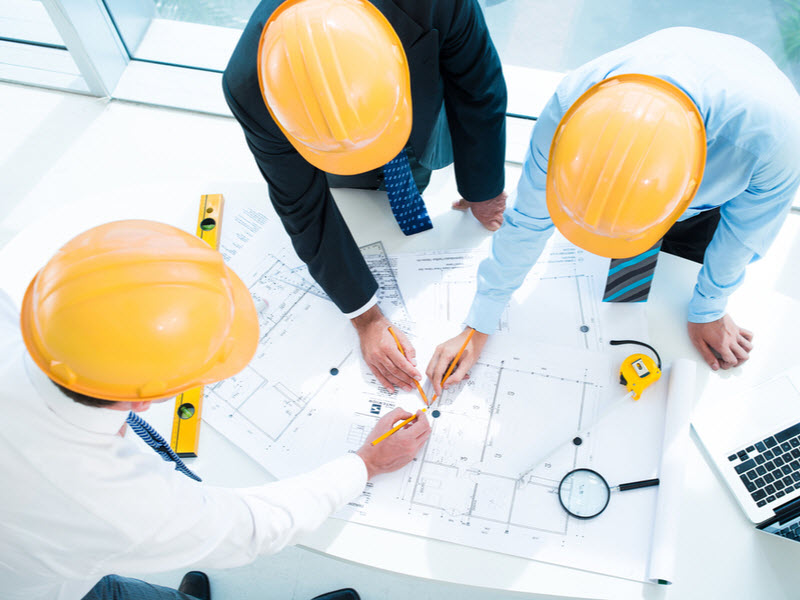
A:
(152, 438)
(629, 279)
(407, 204)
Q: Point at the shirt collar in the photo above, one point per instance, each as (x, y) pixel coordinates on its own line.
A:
(89, 418)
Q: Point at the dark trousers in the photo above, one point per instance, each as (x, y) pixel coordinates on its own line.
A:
(114, 587)
(690, 238)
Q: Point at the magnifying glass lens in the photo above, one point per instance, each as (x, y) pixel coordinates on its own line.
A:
(584, 493)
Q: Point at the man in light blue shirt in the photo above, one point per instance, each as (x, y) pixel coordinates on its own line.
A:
(751, 114)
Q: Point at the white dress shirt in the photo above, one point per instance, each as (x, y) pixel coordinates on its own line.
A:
(78, 501)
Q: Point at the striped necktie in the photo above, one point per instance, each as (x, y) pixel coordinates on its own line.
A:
(405, 200)
(629, 279)
(152, 438)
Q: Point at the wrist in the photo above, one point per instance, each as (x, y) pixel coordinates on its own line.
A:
(479, 336)
(371, 472)
(367, 319)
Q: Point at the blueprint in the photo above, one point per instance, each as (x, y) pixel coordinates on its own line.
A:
(439, 287)
(307, 397)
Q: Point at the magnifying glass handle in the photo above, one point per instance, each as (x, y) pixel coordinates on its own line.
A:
(578, 434)
(635, 485)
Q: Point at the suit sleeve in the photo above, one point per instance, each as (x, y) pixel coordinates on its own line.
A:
(475, 99)
(301, 197)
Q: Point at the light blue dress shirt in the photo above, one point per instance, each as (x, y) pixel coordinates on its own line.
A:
(751, 114)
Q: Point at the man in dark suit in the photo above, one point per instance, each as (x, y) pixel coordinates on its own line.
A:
(302, 83)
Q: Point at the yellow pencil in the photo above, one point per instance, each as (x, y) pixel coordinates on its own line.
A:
(455, 360)
(399, 347)
(446, 375)
(396, 428)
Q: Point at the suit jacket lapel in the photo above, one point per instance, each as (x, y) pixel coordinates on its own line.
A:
(406, 28)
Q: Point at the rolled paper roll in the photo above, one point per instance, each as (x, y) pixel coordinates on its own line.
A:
(680, 399)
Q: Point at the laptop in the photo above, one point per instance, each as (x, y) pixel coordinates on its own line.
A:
(753, 440)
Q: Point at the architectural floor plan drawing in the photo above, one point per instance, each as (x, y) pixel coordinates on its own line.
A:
(469, 471)
(308, 397)
(465, 487)
(439, 286)
(261, 404)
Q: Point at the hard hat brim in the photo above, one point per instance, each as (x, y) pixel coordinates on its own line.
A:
(243, 336)
(372, 156)
(601, 245)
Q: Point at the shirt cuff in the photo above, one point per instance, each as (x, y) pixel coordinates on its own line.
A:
(353, 475)
(357, 313)
(484, 314)
(704, 309)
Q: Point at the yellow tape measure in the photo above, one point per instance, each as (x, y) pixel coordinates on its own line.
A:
(639, 371)
(186, 417)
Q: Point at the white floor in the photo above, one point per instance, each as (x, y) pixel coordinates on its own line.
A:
(58, 147)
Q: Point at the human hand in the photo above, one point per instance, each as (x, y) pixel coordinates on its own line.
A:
(722, 343)
(397, 450)
(381, 354)
(489, 212)
(446, 352)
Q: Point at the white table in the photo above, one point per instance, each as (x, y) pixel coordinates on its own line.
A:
(720, 554)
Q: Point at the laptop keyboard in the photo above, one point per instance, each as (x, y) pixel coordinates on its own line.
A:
(770, 469)
(792, 532)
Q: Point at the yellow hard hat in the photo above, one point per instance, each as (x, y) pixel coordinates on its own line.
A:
(138, 310)
(334, 76)
(625, 163)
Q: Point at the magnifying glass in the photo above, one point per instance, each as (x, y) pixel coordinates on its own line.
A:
(585, 493)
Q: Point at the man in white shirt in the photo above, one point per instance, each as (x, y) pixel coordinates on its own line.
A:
(108, 327)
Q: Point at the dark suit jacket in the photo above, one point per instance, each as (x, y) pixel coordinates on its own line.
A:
(451, 58)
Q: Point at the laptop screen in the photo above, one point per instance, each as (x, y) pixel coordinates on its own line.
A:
(786, 522)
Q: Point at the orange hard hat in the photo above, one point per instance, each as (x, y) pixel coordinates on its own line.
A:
(138, 310)
(625, 163)
(334, 76)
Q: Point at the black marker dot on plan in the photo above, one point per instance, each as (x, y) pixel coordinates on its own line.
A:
(436, 414)
(577, 441)
(334, 371)
(584, 328)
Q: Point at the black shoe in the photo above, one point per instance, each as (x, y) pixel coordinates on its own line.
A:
(196, 584)
(345, 594)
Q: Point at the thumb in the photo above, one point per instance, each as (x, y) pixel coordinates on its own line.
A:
(460, 204)
(708, 355)
(459, 372)
(398, 414)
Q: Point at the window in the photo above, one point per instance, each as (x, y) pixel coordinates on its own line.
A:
(27, 21)
(32, 50)
(559, 36)
(537, 39)
(200, 34)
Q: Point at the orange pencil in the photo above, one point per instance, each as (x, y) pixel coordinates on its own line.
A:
(455, 360)
(446, 375)
(399, 347)
(396, 428)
